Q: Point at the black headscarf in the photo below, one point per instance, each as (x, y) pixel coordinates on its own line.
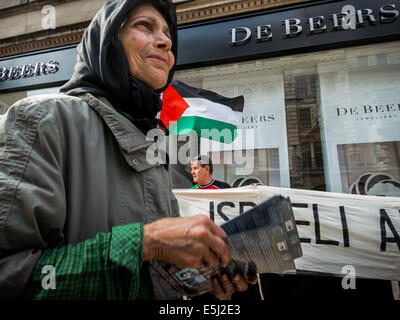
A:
(102, 67)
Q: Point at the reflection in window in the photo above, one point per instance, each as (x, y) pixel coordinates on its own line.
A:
(8, 99)
(304, 140)
(306, 156)
(3, 107)
(304, 118)
(339, 109)
(265, 169)
(272, 91)
(301, 88)
(318, 160)
(370, 168)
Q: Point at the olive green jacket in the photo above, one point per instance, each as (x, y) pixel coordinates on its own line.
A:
(71, 167)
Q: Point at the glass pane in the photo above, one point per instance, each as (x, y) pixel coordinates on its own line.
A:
(325, 121)
(370, 168)
(302, 117)
(8, 99)
(360, 111)
(43, 91)
(263, 119)
(265, 170)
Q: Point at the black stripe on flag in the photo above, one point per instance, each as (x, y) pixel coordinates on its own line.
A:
(185, 91)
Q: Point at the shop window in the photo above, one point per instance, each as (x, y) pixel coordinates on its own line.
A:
(8, 99)
(318, 161)
(264, 169)
(304, 118)
(322, 121)
(382, 59)
(313, 87)
(301, 88)
(306, 156)
(370, 168)
(361, 120)
(3, 107)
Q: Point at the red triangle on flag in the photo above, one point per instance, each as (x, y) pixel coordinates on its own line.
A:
(173, 106)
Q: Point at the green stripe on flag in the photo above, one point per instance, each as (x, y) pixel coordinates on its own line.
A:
(205, 128)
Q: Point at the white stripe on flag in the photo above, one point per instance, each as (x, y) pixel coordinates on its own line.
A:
(207, 109)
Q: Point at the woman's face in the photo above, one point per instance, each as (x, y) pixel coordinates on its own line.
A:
(146, 39)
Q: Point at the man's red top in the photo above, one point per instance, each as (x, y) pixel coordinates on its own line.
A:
(214, 184)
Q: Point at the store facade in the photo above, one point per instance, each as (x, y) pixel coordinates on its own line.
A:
(321, 91)
(34, 73)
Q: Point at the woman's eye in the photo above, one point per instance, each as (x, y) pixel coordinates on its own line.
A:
(144, 24)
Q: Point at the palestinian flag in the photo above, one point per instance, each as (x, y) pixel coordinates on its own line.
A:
(187, 109)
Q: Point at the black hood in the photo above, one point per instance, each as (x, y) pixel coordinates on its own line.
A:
(102, 68)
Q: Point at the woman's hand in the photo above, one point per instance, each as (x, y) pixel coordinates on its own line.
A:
(185, 241)
(226, 287)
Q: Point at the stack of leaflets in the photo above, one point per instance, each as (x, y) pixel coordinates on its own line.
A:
(263, 239)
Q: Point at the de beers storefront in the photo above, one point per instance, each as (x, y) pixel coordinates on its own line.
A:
(322, 98)
(321, 92)
(321, 85)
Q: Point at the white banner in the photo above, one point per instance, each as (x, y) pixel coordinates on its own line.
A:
(336, 230)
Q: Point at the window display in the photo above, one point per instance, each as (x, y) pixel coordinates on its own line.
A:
(8, 99)
(360, 112)
(324, 121)
(259, 154)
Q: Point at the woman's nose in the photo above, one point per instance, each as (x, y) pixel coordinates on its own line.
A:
(162, 41)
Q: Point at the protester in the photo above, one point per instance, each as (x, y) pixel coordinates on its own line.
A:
(202, 170)
(81, 208)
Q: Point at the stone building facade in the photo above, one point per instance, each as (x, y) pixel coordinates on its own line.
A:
(24, 27)
(294, 79)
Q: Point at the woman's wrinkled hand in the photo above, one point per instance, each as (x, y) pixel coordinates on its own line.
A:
(185, 241)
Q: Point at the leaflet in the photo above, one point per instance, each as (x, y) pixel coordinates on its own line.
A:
(263, 239)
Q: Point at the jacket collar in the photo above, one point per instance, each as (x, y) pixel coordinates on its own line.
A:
(132, 141)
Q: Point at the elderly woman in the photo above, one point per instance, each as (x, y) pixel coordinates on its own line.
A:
(81, 210)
